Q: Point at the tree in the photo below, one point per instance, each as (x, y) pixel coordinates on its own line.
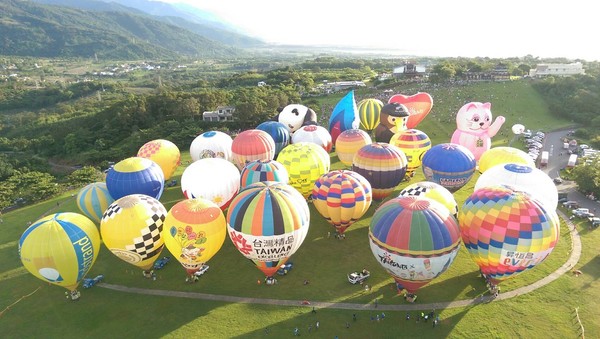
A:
(84, 176)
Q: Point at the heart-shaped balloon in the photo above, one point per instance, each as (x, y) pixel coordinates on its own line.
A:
(419, 105)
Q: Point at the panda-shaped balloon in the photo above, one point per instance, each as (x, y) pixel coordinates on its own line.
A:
(295, 116)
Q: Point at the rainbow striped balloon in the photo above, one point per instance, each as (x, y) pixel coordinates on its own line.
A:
(414, 144)
(263, 170)
(93, 200)
(368, 112)
(349, 142)
(383, 165)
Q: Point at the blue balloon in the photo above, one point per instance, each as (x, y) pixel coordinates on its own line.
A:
(135, 175)
(450, 165)
(279, 132)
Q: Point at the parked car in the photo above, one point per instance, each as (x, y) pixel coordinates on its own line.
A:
(571, 204)
(89, 282)
(581, 212)
(285, 268)
(557, 180)
(160, 263)
(358, 277)
(595, 221)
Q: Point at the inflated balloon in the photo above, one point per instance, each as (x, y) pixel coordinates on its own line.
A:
(294, 116)
(305, 163)
(263, 170)
(213, 179)
(506, 232)
(60, 249)
(419, 105)
(315, 134)
(503, 155)
(393, 120)
(344, 116)
(135, 175)
(279, 132)
(523, 178)
(93, 200)
(131, 229)
(474, 127)
(414, 144)
(164, 153)
(349, 142)
(449, 165)
(342, 197)
(267, 223)
(250, 145)
(383, 165)
(368, 112)
(211, 144)
(431, 190)
(414, 239)
(194, 231)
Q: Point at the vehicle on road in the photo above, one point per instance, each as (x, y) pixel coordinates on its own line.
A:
(571, 204)
(572, 161)
(544, 159)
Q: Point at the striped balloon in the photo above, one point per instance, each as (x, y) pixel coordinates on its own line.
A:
(252, 144)
(305, 163)
(135, 175)
(263, 170)
(349, 142)
(267, 223)
(414, 239)
(414, 144)
(507, 232)
(342, 197)
(383, 165)
(279, 132)
(93, 200)
(368, 112)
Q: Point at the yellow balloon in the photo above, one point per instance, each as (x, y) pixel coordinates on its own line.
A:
(414, 143)
(164, 153)
(504, 155)
(305, 163)
(194, 231)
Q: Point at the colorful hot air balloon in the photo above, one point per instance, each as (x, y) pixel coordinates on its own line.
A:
(415, 239)
(252, 144)
(503, 155)
(131, 229)
(315, 134)
(305, 163)
(506, 232)
(419, 105)
(348, 144)
(214, 179)
(431, 190)
(342, 197)
(279, 132)
(383, 165)
(135, 175)
(414, 144)
(211, 144)
(449, 165)
(475, 128)
(164, 153)
(60, 249)
(93, 200)
(368, 112)
(263, 170)
(344, 116)
(267, 223)
(523, 178)
(194, 231)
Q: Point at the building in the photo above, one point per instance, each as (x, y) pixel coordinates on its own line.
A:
(409, 70)
(222, 113)
(543, 70)
(331, 87)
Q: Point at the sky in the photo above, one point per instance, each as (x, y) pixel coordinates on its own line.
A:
(468, 28)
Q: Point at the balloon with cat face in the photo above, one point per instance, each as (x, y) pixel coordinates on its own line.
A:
(475, 127)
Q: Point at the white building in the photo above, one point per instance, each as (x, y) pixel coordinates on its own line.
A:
(222, 113)
(543, 70)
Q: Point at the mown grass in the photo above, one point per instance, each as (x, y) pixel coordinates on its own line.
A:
(101, 313)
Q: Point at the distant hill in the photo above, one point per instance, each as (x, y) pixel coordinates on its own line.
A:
(33, 29)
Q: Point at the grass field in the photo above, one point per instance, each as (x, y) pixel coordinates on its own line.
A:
(33, 309)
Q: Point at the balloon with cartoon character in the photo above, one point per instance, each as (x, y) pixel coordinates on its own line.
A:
(474, 127)
(295, 116)
(393, 118)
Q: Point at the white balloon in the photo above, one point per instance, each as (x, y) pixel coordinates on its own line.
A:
(518, 128)
(214, 179)
(211, 144)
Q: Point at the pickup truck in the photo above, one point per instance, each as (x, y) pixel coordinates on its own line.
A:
(581, 212)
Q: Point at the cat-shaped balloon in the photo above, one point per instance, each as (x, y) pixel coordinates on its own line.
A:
(474, 127)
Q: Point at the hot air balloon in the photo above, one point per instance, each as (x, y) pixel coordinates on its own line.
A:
(344, 116)
(474, 127)
(279, 132)
(214, 179)
(305, 163)
(194, 231)
(164, 153)
(393, 119)
(267, 223)
(414, 144)
(252, 144)
(60, 249)
(93, 200)
(368, 112)
(135, 175)
(419, 105)
(431, 190)
(503, 155)
(294, 116)
(263, 170)
(414, 239)
(524, 178)
(506, 232)
(348, 144)
(383, 165)
(449, 165)
(342, 197)
(131, 229)
(211, 144)
(315, 134)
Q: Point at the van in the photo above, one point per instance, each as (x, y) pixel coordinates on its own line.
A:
(579, 212)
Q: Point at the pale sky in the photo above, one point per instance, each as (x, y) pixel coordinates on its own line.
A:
(469, 28)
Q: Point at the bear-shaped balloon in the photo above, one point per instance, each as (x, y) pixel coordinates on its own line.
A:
(392, 119)
(295, 116)
(474, 127)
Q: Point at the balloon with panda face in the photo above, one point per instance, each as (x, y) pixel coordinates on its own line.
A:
(295, 116)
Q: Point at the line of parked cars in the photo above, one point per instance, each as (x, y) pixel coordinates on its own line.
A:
(534, 143)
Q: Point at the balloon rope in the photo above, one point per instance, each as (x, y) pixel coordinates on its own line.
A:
(16, 302)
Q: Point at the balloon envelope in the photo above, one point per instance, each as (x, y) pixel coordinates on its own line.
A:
(253, 144)
(414, 144)
(305, 163)
(450, 165)
(344, 116)
(431, 190)
(419, 105)
(214, 179)
(164, 153)
(348, 144)
(368, 112)
(135, 175)
(211, 144)
(503, 155)
(315, 134)
(93, 200)
(383, 165)
(263, 170)
(279, 132)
